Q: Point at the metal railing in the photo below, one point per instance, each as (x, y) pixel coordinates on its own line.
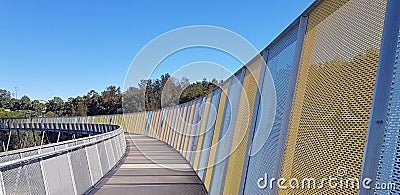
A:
(19, 124)
(69, 167)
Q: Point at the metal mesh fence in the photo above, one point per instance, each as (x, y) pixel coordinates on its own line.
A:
(70, 167)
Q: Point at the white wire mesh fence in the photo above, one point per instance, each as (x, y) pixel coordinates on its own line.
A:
(69, 167)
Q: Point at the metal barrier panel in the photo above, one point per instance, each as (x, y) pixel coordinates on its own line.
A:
(172, 126)
(226, 133)
(389, 160)
(166, 127)
(176, 119)
(105, 165)
(279, 61)
(163, 124)
(212, 128)
(70, 167)
(94, 163)
(80, 169)
(57, 173)
(110, 153)
(333, 96)
(188, 124)
(241, 127)
(182, 122)
(192, 145)
(199, 144)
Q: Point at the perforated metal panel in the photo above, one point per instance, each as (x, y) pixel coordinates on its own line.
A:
(189, 122)
(192, 145)
(110, 153)
(280, 60)
(389, 160)
(226, 133)
(80, 170)
(180, 130)
(105, 166)
(94, 163)
(172, 125)
(333, 95)
(242, 127)
(27, 179)
(175, 125)
(58, 175)
(185, 129)
(213, 126)
(202, 124)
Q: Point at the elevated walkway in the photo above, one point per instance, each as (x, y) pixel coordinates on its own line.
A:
(151, 167)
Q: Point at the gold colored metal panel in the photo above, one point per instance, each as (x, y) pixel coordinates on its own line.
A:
(168, 124)
(201, 131)
(189, 124)
(174, 131)
(163, 121)
(213, 149)
(242, 128)
(180, 130)
(333, 95)
(324, 10)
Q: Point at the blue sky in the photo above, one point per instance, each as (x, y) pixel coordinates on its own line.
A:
(67, 47)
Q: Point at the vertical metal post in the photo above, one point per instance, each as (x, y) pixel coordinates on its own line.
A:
(253, 121)
(58, 137)
(8, 142)
(2, 188)
(42, 140)
(88, 162)
(380, 99)
(44, 173)
(71, 171)
(289, 100)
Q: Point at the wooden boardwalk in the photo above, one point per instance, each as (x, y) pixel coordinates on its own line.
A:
(151, 167)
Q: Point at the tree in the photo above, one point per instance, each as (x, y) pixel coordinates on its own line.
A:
(25, 103)
(5, 97)
(167, 91)
(111, 100)
(38, 107)
(78, 106)
(56, 105)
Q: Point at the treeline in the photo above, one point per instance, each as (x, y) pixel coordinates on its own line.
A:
(149, 95)
(163, 92)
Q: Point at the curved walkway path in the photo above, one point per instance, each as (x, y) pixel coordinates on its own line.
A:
(151, 167)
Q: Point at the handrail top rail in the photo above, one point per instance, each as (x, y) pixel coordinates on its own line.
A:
(109, 135)
(59, 143)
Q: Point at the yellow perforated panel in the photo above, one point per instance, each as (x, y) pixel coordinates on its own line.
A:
(201, 132)
(164, 124)
(168, 125)
(242, 127)
(174, 132)
(181, 120)
(189, 124)
(333, 95)
(214, 141)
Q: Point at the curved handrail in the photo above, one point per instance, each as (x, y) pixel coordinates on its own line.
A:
(68, 167)
(25, 160)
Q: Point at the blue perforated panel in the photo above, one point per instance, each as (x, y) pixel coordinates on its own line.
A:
(226, 133)
(194, 131)
(389, 161)
(280, 60)
(208, 133)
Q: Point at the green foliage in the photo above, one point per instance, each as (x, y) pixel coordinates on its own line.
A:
(163, 92)
(150, 95)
